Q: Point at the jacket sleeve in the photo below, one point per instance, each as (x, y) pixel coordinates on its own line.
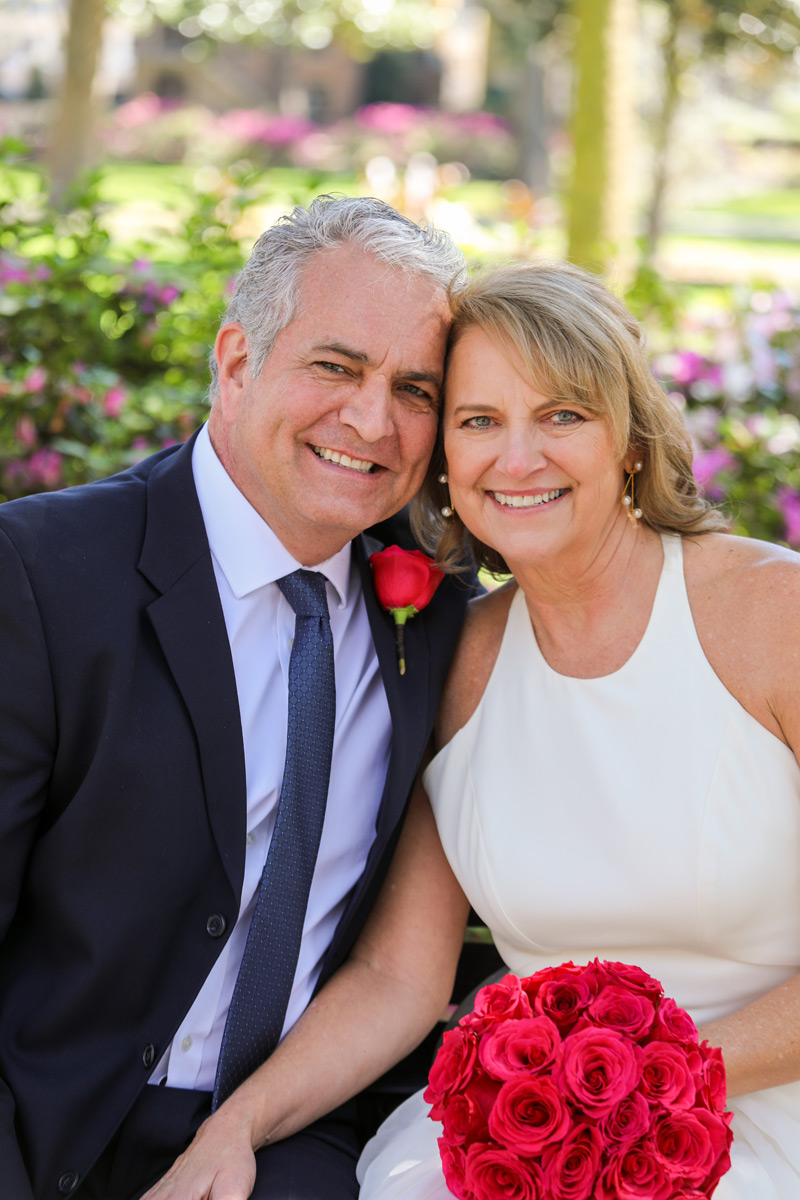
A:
(27, 742)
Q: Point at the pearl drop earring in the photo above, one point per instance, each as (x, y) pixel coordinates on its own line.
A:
(447, 510)
(628, 501)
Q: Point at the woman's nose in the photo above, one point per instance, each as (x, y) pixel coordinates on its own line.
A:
(522, 453)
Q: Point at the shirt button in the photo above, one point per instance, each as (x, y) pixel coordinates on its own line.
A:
(68, 1182)
(250, 839)
(149, 1056)
(216, 925)
(186, 1044)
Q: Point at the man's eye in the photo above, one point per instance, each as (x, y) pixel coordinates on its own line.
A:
(418, 396)
(335, 368)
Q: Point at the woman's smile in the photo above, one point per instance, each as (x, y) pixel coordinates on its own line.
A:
(527, 500)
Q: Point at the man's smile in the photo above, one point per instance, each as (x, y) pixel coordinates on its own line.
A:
(343, 460)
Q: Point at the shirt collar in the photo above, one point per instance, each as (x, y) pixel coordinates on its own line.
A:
(247, 551)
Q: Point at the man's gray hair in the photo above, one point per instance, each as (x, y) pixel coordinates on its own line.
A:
(268, 288)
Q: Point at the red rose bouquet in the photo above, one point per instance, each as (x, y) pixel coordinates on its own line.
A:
(579, 1083)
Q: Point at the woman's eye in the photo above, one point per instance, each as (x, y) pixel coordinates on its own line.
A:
(565, 418)
(481, 422)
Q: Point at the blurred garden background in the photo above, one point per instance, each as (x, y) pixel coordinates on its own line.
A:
(144, 144)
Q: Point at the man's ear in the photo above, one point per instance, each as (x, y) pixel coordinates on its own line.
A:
(231, 350)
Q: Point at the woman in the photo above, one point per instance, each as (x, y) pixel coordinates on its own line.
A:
(616, 774)
(616, 771)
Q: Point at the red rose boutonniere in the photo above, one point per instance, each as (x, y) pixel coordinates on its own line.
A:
(405, 581)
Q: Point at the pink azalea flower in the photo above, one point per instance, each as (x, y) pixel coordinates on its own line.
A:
(45, 467)
(707, 464)
(11, 272)
(26, 431)
(789, 505)
(35, 379)
(169, 293)
(389, 118)
(689, 367)
(114, 401)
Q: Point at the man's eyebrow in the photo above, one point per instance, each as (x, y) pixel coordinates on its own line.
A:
(423, 377)
(340, 348)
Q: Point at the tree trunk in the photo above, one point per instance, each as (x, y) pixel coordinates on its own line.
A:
(663, 130)
(532, 121)
(71, 138)
(600, 219)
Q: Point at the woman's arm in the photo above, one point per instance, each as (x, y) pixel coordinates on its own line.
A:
(745, 598)
(761, 1042)
(377, 1008)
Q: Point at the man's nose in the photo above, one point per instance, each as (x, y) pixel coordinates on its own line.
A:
(368, 410)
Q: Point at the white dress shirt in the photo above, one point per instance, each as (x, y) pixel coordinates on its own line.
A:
(248, 558)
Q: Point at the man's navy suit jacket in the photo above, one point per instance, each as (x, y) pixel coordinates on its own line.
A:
(122, 798)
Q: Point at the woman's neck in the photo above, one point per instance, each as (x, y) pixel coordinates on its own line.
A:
(590, 612)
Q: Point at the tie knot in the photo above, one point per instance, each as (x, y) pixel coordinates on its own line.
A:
(305, 591)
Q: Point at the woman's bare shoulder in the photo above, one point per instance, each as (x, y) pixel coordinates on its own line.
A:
(474, 659)
(744, 572)
(745, 600)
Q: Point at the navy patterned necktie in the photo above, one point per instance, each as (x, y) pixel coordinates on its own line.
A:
(264, 983)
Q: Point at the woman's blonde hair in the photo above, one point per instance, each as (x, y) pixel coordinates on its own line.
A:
(579, 345)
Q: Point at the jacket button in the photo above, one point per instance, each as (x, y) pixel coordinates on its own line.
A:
(149, 1056)
(68, 1182)
(216, 925)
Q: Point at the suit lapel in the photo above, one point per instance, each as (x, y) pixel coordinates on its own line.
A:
(189, 624)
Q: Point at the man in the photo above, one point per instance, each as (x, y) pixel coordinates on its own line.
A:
(147, 768)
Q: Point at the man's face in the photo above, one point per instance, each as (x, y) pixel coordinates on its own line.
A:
(337, 431)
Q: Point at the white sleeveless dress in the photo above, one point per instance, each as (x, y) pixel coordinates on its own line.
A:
(643, 817)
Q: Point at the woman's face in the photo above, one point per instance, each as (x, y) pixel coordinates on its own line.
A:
(534, 479)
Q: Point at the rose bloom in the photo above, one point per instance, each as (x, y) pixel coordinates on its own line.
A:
(497, 1002)
(563, 1001)
(628, 1122)
(454, 1161)
(452, 1068)
(714, 1088)
(690, 1144)
(404, 577)
(673, 1024)
(529, 1114)
(628, 1012)
(465, 1115)
(463, 1120)
(570, 1170)
(635, 1174)
(492, 1172)
(669, 1075)
(531, 1044)
(567, 970)
(598, 1067)
(630, 977)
